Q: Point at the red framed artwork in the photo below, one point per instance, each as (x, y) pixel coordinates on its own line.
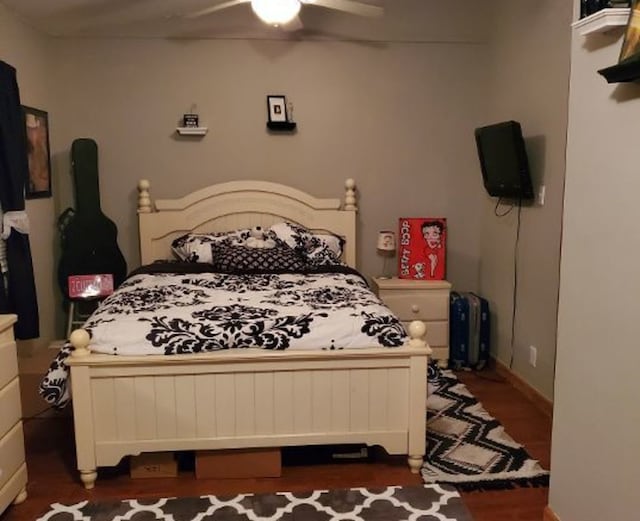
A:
(422, 248)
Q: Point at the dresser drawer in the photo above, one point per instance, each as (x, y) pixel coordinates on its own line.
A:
(10, 410)
(437, 333)
(11, 453)
(415, 305)
(10, 490)
(6, 335)
(8, 363)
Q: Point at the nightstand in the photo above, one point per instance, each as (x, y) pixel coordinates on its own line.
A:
(426, 300)
(13, 471)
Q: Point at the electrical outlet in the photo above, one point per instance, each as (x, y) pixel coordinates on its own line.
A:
(542, 191)
(533, 355)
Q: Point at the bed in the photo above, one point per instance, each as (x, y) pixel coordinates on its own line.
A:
(246, 398)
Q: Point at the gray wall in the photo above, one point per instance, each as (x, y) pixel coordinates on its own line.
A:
(27, 50)
(528, 83)
(393, 111)
(396, 115)
(596, 428)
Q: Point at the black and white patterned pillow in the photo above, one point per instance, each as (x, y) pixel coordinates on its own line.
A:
(319, 253)
(236, 258)
(318, 249)
(197, 247)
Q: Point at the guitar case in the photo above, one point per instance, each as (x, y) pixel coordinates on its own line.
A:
(88, 237)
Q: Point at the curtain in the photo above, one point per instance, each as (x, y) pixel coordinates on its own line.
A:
(17, 289)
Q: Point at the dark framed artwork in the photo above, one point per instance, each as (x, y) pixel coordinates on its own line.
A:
(38, 152)
(631, 43)
(277, 109)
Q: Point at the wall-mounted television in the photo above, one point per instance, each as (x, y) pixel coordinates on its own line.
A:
(503, 160)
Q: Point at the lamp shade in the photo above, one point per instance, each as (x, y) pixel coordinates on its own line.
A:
(276, 12)
(386, 241)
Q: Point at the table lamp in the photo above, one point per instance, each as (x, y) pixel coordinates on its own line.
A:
(387, 248)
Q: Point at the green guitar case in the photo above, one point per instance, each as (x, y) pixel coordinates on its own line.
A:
(89, 239)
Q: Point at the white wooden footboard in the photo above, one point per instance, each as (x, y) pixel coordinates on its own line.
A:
(241, 399)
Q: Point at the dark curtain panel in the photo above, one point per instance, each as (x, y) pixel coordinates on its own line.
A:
(19, 295)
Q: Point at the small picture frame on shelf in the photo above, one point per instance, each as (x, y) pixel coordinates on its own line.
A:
(631, 43)
(277, 109)
(190, 120)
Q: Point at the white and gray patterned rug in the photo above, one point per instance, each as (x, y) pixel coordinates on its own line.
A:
(469, 448)
(419, 503)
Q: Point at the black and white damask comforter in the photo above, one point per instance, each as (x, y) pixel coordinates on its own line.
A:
(181, 313)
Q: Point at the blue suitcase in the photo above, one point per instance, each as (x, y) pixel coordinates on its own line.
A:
(469, 331)
(458, 330)
(479, 331)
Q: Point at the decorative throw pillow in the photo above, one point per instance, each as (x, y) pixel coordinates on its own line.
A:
(197, 247)
(320, 253)
(293, 235)
(318, 249)
(335, 243)
(236, 258)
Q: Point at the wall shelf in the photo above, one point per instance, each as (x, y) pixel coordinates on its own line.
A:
(286, 126)
(192, 131)
(623, 72)
(602, 21)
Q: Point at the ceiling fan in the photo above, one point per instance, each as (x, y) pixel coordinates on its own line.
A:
(285, 12)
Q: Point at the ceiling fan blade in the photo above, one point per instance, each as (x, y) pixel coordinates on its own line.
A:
(348, 6)
(293, 25)
(214, 8)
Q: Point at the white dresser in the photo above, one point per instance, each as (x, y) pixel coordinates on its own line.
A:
(13, 470)
(426, 300)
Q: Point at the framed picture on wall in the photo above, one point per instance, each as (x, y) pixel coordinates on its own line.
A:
(422, 248)
(38, 153)
(631, 43)
(277, 108)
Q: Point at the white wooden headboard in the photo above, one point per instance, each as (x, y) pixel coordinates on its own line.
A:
(241, 204)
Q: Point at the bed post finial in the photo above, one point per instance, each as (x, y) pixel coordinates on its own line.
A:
(80, 339)
(144, 200)
(350, 196)
(417, 332)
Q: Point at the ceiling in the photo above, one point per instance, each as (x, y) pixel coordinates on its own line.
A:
(164, 18)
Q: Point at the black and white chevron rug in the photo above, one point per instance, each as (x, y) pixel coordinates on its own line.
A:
(469, 448)
(423, 503)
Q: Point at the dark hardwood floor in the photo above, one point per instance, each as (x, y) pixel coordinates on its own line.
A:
(53, 478)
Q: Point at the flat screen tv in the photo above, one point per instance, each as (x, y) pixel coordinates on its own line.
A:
(503, 160)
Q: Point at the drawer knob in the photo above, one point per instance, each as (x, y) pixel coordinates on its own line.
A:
(415, 308)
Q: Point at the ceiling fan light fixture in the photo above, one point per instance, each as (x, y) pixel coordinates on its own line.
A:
(276, 12)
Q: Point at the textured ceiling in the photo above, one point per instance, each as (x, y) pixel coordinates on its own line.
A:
(165, 18)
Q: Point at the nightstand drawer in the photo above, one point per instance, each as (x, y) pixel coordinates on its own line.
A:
(10, 411)
(11, 453)
(414, 305)
(425, 300)
(437, 333)
(8, 363)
